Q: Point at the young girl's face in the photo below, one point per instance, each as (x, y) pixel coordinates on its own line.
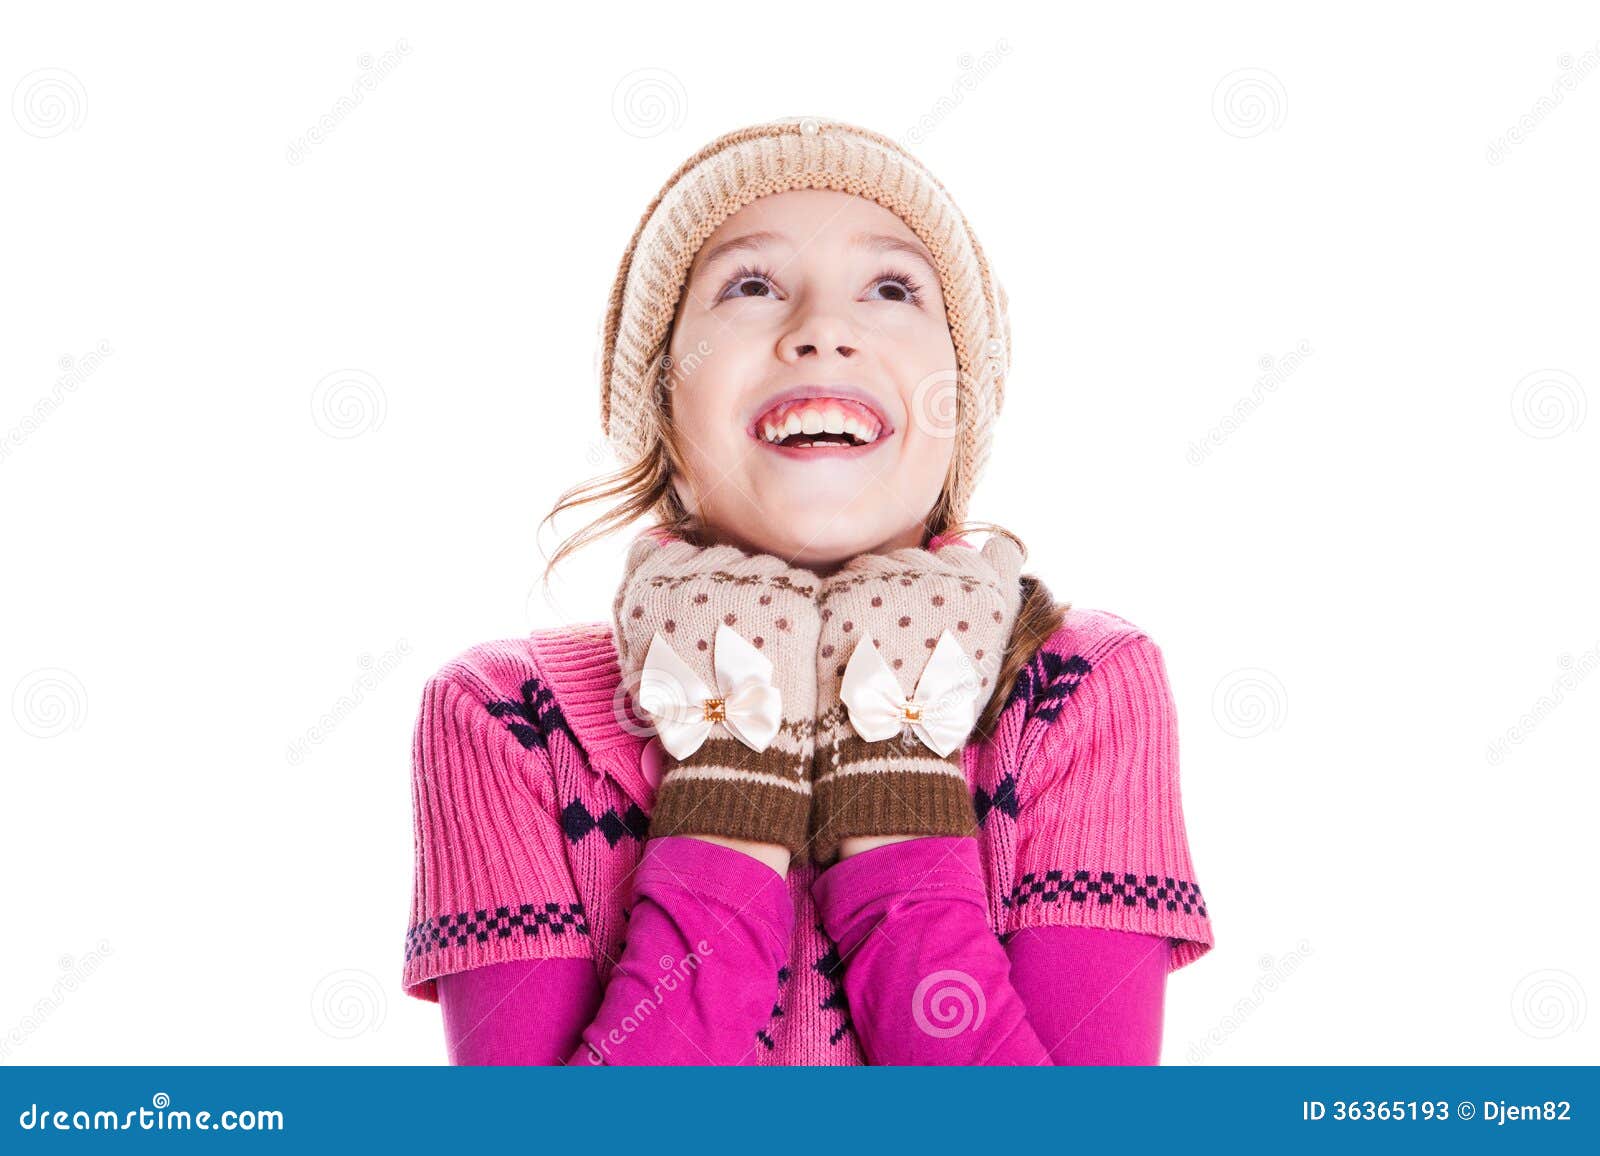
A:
(817, 312)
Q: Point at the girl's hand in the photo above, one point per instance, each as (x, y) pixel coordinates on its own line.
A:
(718, 649)
(914, 606)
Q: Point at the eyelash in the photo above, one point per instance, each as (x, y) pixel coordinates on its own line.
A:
(747, 273)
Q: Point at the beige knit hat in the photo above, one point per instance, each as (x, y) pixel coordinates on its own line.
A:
(799, 153)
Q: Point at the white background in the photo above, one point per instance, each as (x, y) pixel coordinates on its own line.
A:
(1382, 570)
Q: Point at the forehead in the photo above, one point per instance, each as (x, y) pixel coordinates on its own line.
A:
(804, 218)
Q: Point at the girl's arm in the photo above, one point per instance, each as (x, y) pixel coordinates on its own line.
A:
(698, 977)
(925, 977)
(928, 982)
(1094, 995)
(527, 1011)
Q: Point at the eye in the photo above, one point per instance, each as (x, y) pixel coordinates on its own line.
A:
(747, 282)
(899, 287)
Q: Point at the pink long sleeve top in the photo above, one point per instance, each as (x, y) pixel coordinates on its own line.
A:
(552, 929)
(926, 981)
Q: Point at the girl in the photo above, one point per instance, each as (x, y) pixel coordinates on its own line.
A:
(832, 786)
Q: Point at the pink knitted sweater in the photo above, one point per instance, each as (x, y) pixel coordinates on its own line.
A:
(531, 807)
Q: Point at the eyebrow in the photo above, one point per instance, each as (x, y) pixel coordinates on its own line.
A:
(763, 238)
(884, 243)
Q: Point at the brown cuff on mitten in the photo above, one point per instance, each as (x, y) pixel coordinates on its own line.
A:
(727, 789)
(894, 787)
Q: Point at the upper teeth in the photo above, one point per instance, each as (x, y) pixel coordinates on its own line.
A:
(820, 419)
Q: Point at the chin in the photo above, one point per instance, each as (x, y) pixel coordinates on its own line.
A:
(822, 546)
(801, 541)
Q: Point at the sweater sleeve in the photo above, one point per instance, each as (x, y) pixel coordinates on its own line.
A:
(1101, 839)
(491, 882)
(926, 979)
(708, 932)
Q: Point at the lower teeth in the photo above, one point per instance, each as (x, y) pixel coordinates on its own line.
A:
(808, 445)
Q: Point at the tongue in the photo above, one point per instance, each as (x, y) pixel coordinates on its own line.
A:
(831, 438)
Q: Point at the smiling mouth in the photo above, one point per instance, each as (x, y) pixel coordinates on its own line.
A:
(817, 425)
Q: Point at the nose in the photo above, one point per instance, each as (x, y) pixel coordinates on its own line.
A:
(813, 332)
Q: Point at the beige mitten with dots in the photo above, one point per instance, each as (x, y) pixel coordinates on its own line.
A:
(910, 645)
(718, 649)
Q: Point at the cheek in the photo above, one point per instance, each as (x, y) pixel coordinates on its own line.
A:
(926, 366)
(706, 382)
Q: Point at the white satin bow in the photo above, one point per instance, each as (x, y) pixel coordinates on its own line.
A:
(941, 711)
(684, 708)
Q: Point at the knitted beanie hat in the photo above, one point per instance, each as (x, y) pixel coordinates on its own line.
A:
(799, 153)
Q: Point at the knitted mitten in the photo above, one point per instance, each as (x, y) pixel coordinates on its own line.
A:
(939, 622)
(718, 649)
